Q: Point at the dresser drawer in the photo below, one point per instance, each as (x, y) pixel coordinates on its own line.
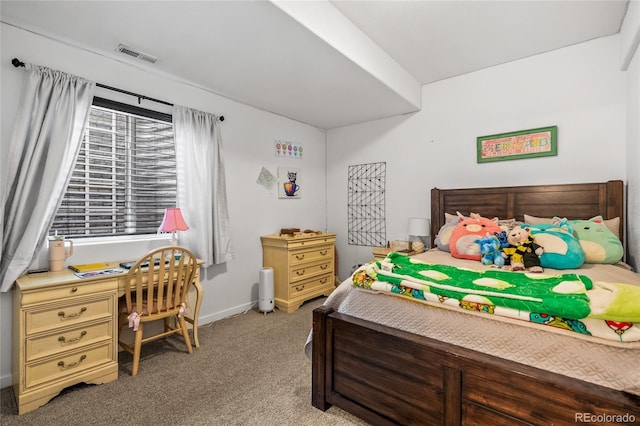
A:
(301, 272)
(305, 287)
(67, 365)
(69, 290)
(67, 339)
(313, 242)
(74, 311)
(321, 253)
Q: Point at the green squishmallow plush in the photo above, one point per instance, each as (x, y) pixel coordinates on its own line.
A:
(561, 249)
(600, 245)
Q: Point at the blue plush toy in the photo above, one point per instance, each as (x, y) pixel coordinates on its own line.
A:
(502, 238)
(490, 250)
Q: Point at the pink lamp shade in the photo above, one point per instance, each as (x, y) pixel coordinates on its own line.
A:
(173, 221)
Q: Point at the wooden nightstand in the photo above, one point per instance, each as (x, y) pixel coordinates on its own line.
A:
(380, 253)
(303, 267)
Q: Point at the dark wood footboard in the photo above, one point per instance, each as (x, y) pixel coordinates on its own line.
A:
(387, 376)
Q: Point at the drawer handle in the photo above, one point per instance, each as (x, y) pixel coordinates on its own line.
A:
(300, 287)
(299, 256)
(324, 280)
(72, 364)
(323, 267)
(300, 273)
(74, 289)
(72, 340)
(65, 316)
(323, 252)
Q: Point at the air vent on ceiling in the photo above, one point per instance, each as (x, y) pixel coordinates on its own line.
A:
(137, 54)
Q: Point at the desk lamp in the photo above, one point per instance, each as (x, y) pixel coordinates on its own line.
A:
(172, 222)
(418, 227)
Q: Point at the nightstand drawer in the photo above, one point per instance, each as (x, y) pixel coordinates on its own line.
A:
(298, 257)
(75, 311)
(67, 339)
(302, 288)
(301, 272)
(67, 365)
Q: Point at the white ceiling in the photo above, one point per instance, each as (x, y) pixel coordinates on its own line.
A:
(325, 63)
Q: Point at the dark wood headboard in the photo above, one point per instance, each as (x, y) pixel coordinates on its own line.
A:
(573, 201)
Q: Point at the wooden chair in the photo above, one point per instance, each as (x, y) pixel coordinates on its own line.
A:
(157, 292)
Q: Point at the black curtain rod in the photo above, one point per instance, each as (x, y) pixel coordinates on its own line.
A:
(18, 63)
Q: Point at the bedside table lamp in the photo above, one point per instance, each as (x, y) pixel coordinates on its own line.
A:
(172, 222)
(418, 228)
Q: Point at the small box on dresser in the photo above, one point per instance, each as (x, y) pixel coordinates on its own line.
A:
(303, 266)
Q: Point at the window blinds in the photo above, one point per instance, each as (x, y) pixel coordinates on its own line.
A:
(124, 177)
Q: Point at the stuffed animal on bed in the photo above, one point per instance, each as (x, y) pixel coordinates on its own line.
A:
(502, 238)
(522, 252)
(463, 238)
(490, 250)
(599, 243)
(562, 250)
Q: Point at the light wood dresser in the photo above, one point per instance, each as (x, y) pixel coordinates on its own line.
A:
(303, 267)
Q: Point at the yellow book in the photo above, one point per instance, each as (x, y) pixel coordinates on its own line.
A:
(89, 267)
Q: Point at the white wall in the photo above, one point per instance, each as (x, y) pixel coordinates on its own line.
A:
(630, 35)
(248, 136)
(633, 159)
(579, 88)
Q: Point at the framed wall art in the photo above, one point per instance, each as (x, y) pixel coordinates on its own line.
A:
(289, 183)
(541, 142)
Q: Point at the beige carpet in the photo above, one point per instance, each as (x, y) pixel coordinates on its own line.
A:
(249, 370)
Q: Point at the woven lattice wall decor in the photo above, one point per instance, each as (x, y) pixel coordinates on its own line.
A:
(366, 205)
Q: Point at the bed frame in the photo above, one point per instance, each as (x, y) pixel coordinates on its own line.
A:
(365, 368)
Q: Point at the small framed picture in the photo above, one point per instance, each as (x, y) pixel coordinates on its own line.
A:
(289, 183)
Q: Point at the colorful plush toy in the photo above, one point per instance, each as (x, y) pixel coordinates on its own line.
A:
(600, 245)
(561, 249)
(490, 250)
(463, 238)
(522, 252)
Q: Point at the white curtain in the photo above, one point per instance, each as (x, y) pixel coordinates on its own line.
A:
(46, 137)
(202, 194)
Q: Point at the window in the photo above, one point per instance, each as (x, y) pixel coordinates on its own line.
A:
(124, 177)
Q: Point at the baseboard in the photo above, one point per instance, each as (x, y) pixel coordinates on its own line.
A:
(6, 381)
(216, 316)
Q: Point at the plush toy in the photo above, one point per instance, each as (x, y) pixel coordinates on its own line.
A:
(463, 238)
(522, 252)
(502, 238)
(599, 243)
(490, 250)
(561, 249)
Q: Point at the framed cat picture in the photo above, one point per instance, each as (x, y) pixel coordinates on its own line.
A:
(289, 186)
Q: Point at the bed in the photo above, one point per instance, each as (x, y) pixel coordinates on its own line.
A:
(417, 368)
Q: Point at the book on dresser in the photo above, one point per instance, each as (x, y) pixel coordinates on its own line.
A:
(303, 266)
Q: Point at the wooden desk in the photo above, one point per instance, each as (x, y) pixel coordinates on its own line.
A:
(65, 331)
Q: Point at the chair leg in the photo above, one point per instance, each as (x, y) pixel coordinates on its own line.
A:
(185, 334)
(137, 346)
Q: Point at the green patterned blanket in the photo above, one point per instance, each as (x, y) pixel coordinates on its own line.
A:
(563, 295)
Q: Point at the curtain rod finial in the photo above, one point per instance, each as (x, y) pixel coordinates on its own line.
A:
(17, 62)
